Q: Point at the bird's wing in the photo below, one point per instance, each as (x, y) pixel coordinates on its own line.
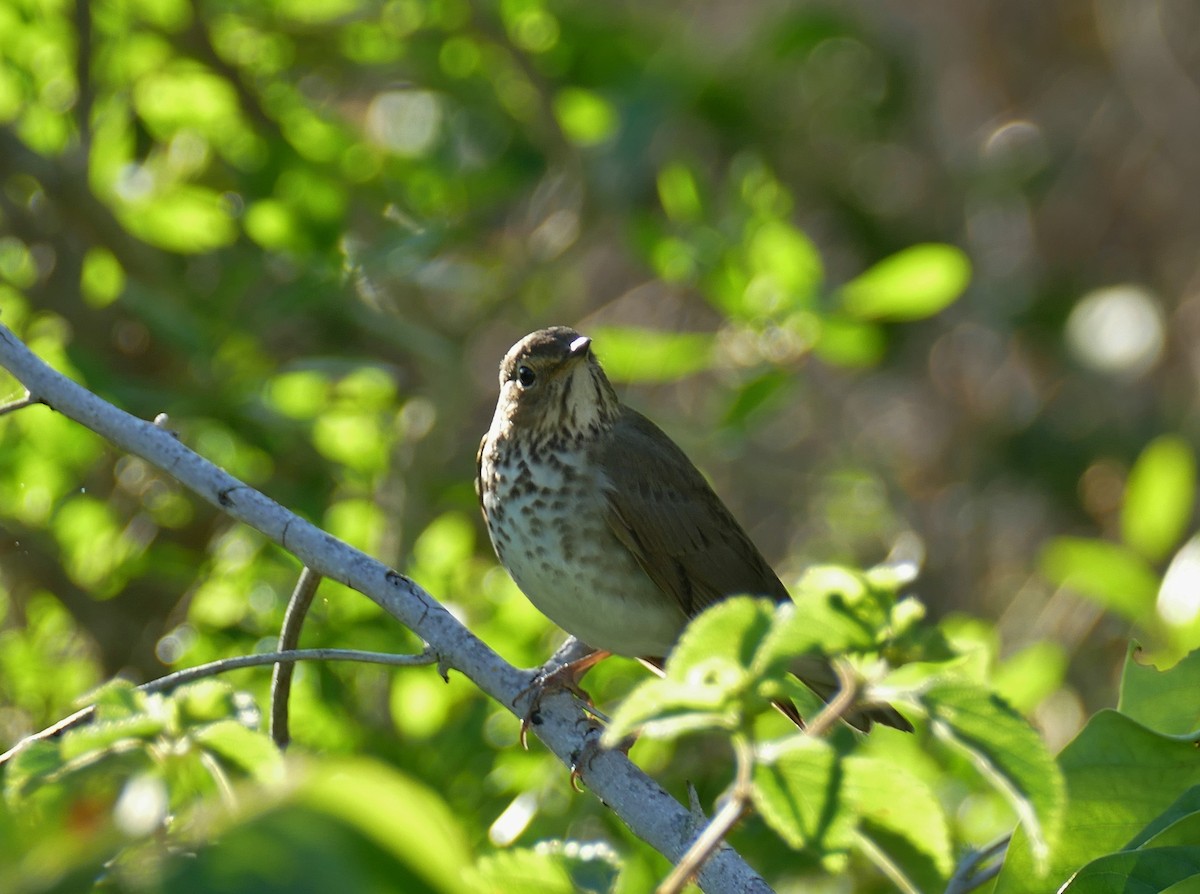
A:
(661, 508)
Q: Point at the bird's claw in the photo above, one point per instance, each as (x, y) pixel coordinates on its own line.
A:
(543, 683)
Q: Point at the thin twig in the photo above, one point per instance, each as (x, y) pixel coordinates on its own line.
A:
(22, 403)
(840, 705)
(967, 875)
(289, 639)
(212, 668)
(725, 819)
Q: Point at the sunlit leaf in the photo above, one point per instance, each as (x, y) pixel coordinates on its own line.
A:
(586, 117)
(1148, 870)
(1159, 496)
(1110, 574)
(679, 193)
(786, 269)
(561, 867)
(1028, 676)
(1172, 824)
(405, 817)
(1166, 701)
(852, 343)
(1120, 776)
(186, 219)
(647, 355)
(914, 283)
(1007, 752)
(799, 792)
(251, 751)
(902, 817)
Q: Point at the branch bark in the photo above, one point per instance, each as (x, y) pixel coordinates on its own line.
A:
(651, 813)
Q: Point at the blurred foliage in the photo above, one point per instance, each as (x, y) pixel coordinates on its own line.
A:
(308, 232)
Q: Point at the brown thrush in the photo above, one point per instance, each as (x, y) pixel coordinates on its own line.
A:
(602, 520)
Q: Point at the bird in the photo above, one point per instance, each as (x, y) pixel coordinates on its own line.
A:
(604, 523)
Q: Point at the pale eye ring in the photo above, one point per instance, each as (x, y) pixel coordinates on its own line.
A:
(526, 376)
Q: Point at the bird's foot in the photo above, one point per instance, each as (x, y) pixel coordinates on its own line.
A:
(581, 760)
(564, 677)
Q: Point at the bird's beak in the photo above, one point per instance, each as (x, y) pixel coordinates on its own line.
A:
(579, 347)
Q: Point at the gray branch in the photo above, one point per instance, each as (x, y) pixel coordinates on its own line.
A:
(651, 813)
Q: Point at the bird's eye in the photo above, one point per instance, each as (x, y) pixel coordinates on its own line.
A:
(526, 376)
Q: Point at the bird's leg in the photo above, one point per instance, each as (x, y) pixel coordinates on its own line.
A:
(564, 676)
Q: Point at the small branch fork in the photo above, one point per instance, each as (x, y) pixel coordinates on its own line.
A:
(27, 401)
(651, 813)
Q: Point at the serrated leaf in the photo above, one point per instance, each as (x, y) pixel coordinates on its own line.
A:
(251, 751)
(1165, 701)
(1117, 578)
(1159, 497)
(799, 792)
(1149, 870)
(204, 701)
(1120, 776)
(730, 632)
(29, 767)
(666, 709)
(912, 284)
(820, 625)
(100, 735)
(1007, 752)
(115, 698)
(567, 868)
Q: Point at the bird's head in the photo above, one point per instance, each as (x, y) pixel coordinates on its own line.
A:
(551, 385)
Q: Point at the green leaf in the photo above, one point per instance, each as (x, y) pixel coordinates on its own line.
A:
(1007, 751)
(679, 193)
(785, 268)
(205, 701)
(399, 814)
(647, 355)
(730, 632)
(1149, 870)
(557, 867)
(102, 735)
(850, 343)
(799, 792)
(184, 218)
(912, 284)
(29, 767)
(667, 709)
(1112, 575)
(1190, 885)
(817, 623)
(586, 117)
(1166, 701)
(1029, 676)
(1173, 824)
(902, 817)
(252, 751)
(706, 674)
(1120, 776)
(1159, 496)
